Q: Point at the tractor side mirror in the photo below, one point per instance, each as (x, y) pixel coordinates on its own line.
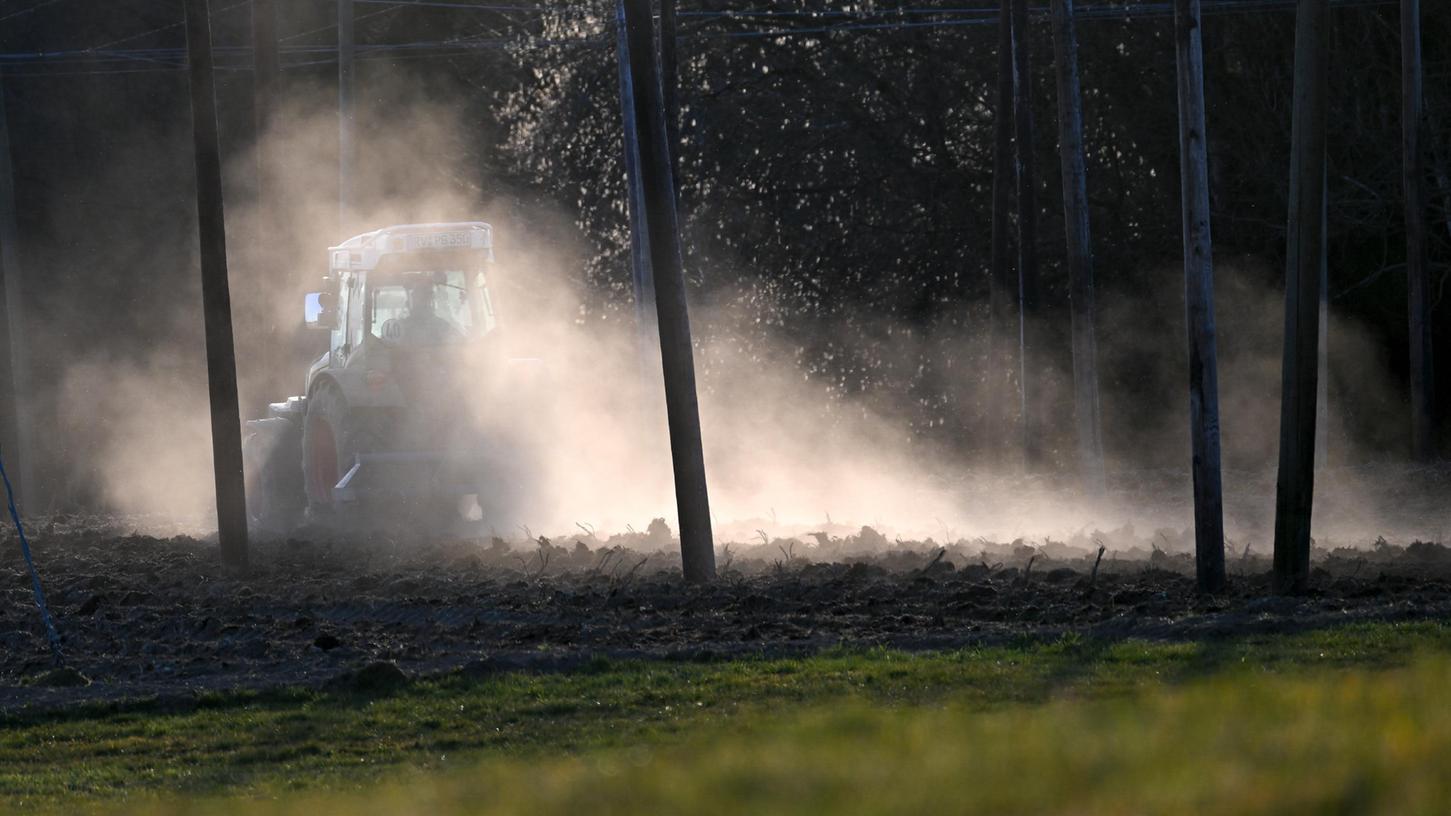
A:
(317, 311)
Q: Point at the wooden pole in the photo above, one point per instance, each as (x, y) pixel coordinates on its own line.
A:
(644, 284)
(267, 264)
(1080, 249)
(216, 298)
(265, 70)
(1417, 270)
(1029, 351)
(1199, 300)
(670, 85)
(347, 147)
(19, 453)
(1001, 286)
(1322, 392)
(1295, 491)
(697, 549)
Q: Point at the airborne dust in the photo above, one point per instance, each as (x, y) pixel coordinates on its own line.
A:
(785, 455)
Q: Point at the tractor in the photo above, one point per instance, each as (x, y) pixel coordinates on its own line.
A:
(411, 415)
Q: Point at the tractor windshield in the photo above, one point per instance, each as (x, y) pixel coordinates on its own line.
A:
(429, 306)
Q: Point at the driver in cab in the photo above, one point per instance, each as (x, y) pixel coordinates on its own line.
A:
(422, 325)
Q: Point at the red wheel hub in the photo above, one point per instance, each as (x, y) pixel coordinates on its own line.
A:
(322, 471)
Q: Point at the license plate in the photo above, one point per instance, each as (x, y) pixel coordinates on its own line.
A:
(440, 240)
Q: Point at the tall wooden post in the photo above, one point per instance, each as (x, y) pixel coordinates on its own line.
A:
(697, 549)
(216, 297)
(1417, 280)
(1029, 331)
(18, 452)
(1080, 248)
(1002, 288)
(1322, 392)
(1295, 491)
(265, 70)
(670, 85)
(1199, 300)
(265, 258)
(644, 285)
(347, 147)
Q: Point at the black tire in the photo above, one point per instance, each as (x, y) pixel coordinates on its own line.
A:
(270, 452)
(327, 452)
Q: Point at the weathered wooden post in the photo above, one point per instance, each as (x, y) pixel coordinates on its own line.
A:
(670, 85)
(1295, 491)
(1199, 300)
(216, 297)
(347, 146)
(697, 549)
(263, 254)
(1417, 280)
(1002, 288)
(1322, 392)
(1080, 249)
(1029, 346)
(19, 452)
(265, 70)
(644, 286)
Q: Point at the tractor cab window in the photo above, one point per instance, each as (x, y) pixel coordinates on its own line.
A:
(429, 307)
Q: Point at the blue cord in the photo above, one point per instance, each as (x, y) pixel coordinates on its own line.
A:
(50, 632)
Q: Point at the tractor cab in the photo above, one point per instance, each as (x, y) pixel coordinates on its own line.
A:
(404, 407)
(414, 285)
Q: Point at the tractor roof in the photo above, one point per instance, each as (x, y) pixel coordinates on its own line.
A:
(366, 250)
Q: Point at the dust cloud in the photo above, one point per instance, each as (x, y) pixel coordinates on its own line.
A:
(784, 456)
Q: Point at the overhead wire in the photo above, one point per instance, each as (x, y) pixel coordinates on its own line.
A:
(320, 29)
(21, 13)
(167, 27)
(105, 59)
(989, 17)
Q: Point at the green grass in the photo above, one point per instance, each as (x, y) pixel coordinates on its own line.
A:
(1351, 719)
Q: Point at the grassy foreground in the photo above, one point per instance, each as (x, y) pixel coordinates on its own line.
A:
(1348, 720)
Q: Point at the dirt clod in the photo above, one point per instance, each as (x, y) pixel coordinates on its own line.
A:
(379, 677)
(63, 677)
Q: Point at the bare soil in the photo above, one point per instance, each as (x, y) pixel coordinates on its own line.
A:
(144, 618)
